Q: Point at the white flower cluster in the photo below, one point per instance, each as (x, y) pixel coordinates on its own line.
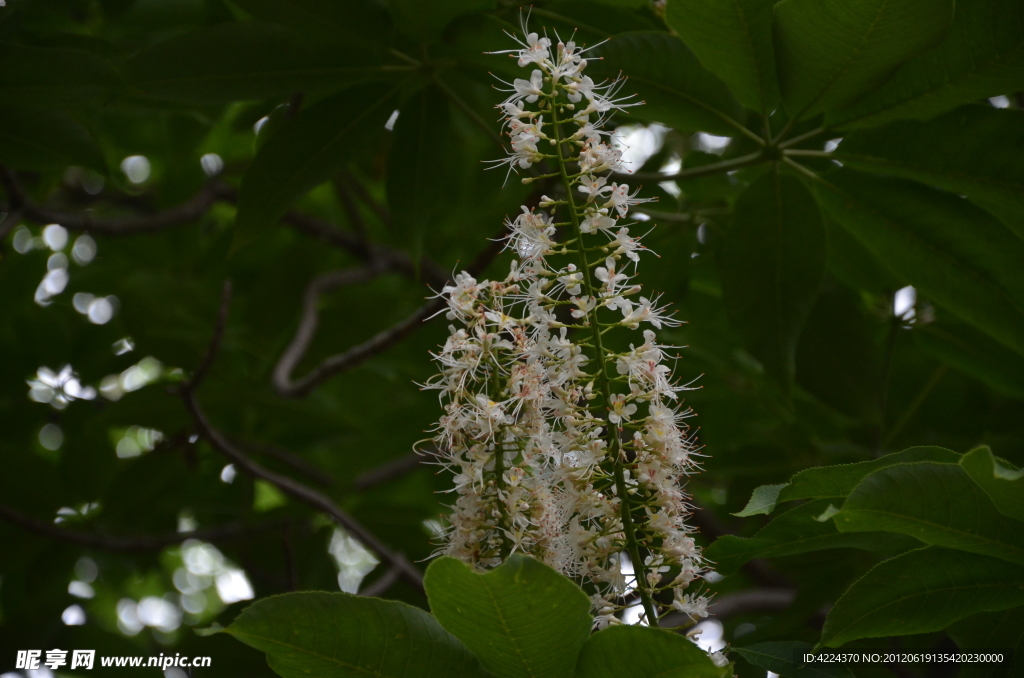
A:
(563, 447)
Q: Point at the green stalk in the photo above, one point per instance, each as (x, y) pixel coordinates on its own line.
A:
(625, 506)
(499, 471)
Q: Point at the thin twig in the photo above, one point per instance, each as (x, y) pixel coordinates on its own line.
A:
(314, 473)
(9, 221)
(218, 336)
(801, 137)
(382, 584)
(135, 543)
(396, 468)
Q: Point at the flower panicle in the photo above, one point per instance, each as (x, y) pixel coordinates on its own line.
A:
(561, 447)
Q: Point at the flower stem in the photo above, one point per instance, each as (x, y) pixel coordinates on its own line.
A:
(614, 445)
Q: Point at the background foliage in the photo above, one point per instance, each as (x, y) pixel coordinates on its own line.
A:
(840, 223)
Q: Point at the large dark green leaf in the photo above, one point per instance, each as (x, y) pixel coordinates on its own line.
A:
(642, 652)
(733, 40)
(337, 634)
(36, 138)
(950, 250)
(424, 20)
(250, 60)
(666, 75)
(53, 76)
(362, 22)
(974, 353)
(980, 156)
(771, 267)
(922, 591)
(837, 481)
(982, 56)
(1003, 485)
(523, 619)
(831, 52)
(938, 504)
(306, 150)
(800, 530)
(786, 659)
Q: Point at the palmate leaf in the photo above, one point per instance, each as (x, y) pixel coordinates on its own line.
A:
(837, 481)
(424, 20)
(733, 40)
(922, 591)
(771, 266)
(982, 56)
(523, 619)
(251, 60)
(1004, 485)
(950, 250)
(341, 635)
(831, 52)
(938, 504)
(416, 176)
(666, 75)
(641, 652)
(979, 156)
(305, 151)
(800, 530)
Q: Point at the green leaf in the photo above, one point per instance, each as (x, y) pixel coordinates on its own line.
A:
(950, 250)
(251, 60)
(1001, 631)
(837, 481)
(642, 652)
(922, 591)
(666, 75)
(975, 354)
(362, 22)
(935, 503)
(799, 530)
(983, 56)
(36, 138)
(338, 635)
(425, 20)
(980, 156)
(733, 40)
(53, 76)
(416, 173)
(306, 151)
(786, 659)
(523, 619)
(831, 52)
(1004, 486)
(771, 266)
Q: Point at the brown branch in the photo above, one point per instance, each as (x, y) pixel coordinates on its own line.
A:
(198, 205)
(311, 471)
(287, 485)
(297, 491)
(186, 212)
(135, 543)
(382, 584)
(396, 468)
(10, 219)
(335, 364)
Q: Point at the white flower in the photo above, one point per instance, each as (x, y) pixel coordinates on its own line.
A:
(619, 410)
(530, 89)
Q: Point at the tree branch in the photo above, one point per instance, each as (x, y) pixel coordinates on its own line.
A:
(335, 364)
(132, 544)
(287, 485)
